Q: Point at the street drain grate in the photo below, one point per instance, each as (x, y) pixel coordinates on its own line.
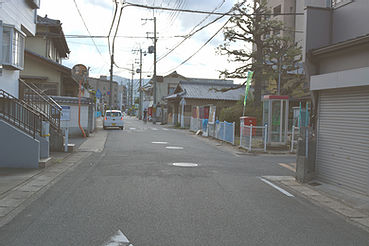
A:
(185, 164)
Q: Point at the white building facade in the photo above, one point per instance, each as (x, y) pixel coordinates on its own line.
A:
(17, 20)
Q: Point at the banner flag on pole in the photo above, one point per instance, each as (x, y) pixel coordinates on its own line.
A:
(248, 83)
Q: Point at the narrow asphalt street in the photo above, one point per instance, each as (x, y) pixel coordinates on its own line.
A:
(133, 188)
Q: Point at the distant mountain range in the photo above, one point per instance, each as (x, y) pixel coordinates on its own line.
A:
(126, 82)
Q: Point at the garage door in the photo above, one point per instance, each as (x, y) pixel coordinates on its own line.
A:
(343, 138)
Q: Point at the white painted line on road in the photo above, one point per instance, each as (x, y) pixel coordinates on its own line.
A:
(118, 239)
(153, 128)
(159, 142)
(165, 129)
(185, 164)
(277, 187)
(132, 128)
(174, 147)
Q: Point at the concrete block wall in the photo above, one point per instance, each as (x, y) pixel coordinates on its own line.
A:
(73, 123)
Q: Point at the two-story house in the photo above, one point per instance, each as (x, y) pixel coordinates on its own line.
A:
(165, 85)
(44, 53)
(336, 57)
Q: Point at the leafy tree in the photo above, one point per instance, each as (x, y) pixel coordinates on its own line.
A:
(249, 25)
(285, 56)
(252, 25)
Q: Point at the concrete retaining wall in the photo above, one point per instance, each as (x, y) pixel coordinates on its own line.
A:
(17, 149)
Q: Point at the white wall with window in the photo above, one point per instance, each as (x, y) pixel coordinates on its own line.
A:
(17, 21)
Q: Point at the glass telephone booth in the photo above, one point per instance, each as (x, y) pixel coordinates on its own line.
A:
(275, 116)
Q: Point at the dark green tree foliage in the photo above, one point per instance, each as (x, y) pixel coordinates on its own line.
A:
(285, 57)
(251, 26)
(253, 40)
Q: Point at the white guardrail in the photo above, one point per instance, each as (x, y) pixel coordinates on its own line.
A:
(253, 137)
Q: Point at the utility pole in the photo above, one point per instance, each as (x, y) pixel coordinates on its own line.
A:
(141, 96)
(133, 72)
(111, 80)
(129, 94)
(140, 88)
(154, 79)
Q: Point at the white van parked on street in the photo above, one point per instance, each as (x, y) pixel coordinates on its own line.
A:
(113, 118)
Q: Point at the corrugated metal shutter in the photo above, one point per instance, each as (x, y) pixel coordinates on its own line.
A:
(343, 138)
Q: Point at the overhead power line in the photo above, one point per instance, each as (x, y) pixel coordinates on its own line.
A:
(206, 17)
(199, 11)
(116, 31)
(84, 23)
(197, 51)
(190, 35)
(112, 24)
(118, 36)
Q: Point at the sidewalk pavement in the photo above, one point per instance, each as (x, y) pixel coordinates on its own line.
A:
(351, 205)
(19, 187)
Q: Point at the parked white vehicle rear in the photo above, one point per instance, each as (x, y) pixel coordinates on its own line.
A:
(113, 118)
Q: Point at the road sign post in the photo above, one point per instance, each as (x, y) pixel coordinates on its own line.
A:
(65, 116)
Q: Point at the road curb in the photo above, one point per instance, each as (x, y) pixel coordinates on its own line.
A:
(322, 199)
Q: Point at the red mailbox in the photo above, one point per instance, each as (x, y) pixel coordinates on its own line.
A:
(150, 111)
(248, 121)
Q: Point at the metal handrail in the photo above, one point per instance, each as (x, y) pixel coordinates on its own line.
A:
(46, 97)
(44, 103)
(19, 114)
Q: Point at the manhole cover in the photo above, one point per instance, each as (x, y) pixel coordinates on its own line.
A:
(159, 142)
(185, 164)
(173, 147)
(314, 183)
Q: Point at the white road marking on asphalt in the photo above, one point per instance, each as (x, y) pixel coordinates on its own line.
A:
(165, 129)
(159, 142)
(118, 239)
(277, 187)
(132, 128)
(185, 164)
(173, 147)
(153, 128)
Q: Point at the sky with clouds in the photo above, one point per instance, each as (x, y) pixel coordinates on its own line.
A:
(132, 33)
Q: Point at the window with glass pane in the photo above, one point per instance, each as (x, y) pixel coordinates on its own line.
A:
(13, 48)
(18, 49)
(171, 90)
(277, 10)
(6, 46)
(336, 3)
